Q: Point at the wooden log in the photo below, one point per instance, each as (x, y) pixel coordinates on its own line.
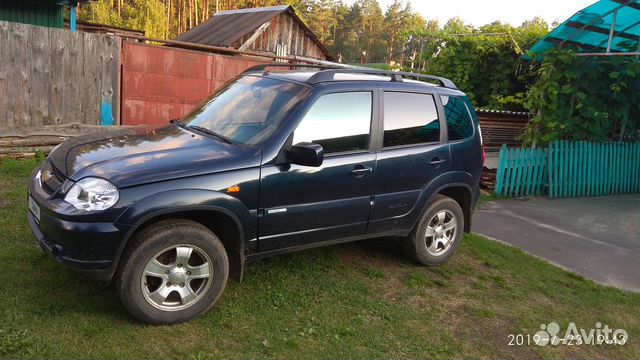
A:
(32, 141)
(66, 130)
(25, 149)
(18, 156)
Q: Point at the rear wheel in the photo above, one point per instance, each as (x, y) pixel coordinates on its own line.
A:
(174, 272)
(438, 234)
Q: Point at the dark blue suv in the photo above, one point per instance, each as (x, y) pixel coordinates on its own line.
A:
(274, 161)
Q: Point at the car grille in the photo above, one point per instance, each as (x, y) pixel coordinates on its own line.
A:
(51, 178)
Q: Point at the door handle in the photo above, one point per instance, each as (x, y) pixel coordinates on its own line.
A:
(436, 162)
(361, 170)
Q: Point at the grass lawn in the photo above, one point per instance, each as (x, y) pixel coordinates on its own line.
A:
(360, 300)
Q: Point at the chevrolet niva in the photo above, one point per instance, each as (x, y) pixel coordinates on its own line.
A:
(274, 161)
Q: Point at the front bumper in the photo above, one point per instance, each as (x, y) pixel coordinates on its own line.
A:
(89, 248)
(85, 244)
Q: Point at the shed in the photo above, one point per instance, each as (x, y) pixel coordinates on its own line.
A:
(502, 127)
(48, 13)
(276, 30)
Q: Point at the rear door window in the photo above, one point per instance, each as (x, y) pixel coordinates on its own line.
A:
(459, 123)
(410, 118)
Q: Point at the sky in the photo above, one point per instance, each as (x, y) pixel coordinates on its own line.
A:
(481, 12)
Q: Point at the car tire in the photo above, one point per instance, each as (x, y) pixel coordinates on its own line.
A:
(438, 233)
(154, 284)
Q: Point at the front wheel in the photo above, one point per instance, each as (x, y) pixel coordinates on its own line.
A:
(438, 234)
(174, 271)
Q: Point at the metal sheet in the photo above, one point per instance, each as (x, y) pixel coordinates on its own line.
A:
(161, 83)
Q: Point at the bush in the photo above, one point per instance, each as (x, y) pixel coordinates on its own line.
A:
(584, 98)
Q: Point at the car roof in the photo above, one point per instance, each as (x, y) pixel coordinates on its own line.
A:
(310, 75)
(305, 75)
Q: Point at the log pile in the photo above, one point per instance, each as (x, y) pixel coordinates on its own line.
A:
(488, 179)
(24, 143)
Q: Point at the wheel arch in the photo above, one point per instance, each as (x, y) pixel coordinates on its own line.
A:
(221, 221)
(463, 195)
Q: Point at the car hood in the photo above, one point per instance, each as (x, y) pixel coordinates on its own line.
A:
(128, 157)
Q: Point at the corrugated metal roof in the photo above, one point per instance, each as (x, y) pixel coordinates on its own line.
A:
(226, 27)
(503, 112)
(605, 26)
(279, 8)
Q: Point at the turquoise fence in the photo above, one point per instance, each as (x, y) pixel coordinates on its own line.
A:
(521, 172)
(569, 169)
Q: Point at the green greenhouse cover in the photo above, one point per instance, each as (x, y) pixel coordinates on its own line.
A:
(605, 26)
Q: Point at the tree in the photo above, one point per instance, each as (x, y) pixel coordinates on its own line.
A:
(456, 25)
(485, 62)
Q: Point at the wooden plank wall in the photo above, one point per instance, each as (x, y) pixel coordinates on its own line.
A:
(284, 29)
(52, 77)
(160, 83)
(500, 128)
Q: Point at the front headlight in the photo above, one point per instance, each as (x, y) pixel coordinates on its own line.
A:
(38, 177)
(92, 194)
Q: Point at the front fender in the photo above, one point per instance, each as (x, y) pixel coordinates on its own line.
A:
(173, 201)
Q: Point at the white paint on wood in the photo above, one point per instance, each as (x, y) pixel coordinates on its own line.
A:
(254, 36)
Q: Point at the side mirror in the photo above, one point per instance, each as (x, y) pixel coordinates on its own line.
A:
(305, 154)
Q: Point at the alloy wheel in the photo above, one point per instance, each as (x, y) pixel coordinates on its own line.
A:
(440, 232)
(176, 277)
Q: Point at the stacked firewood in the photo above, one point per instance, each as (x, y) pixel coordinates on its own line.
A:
(488, 179)
(26, 142)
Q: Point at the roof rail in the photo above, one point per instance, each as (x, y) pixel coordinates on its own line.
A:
(262, 67)
(328, 72)
(329, 75)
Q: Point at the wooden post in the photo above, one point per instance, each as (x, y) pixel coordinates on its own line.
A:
(73, 14)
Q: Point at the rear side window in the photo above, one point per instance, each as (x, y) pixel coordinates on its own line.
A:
(339, 122)
(410, 118)
(459, 123)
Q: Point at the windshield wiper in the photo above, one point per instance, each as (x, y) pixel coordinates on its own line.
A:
(210, 132)
(177, 122)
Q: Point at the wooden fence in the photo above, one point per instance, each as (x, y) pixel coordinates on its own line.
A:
(569, 169)
(53, 77)
(593, 169)
(521, 172)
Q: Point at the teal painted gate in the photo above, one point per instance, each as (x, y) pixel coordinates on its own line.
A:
(521, 172)
(569, 169)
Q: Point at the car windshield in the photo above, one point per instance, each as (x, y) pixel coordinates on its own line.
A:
(247, 110)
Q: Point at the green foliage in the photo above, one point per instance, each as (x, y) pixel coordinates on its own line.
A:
(142, 15)
(582, 98)
(486, 62)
